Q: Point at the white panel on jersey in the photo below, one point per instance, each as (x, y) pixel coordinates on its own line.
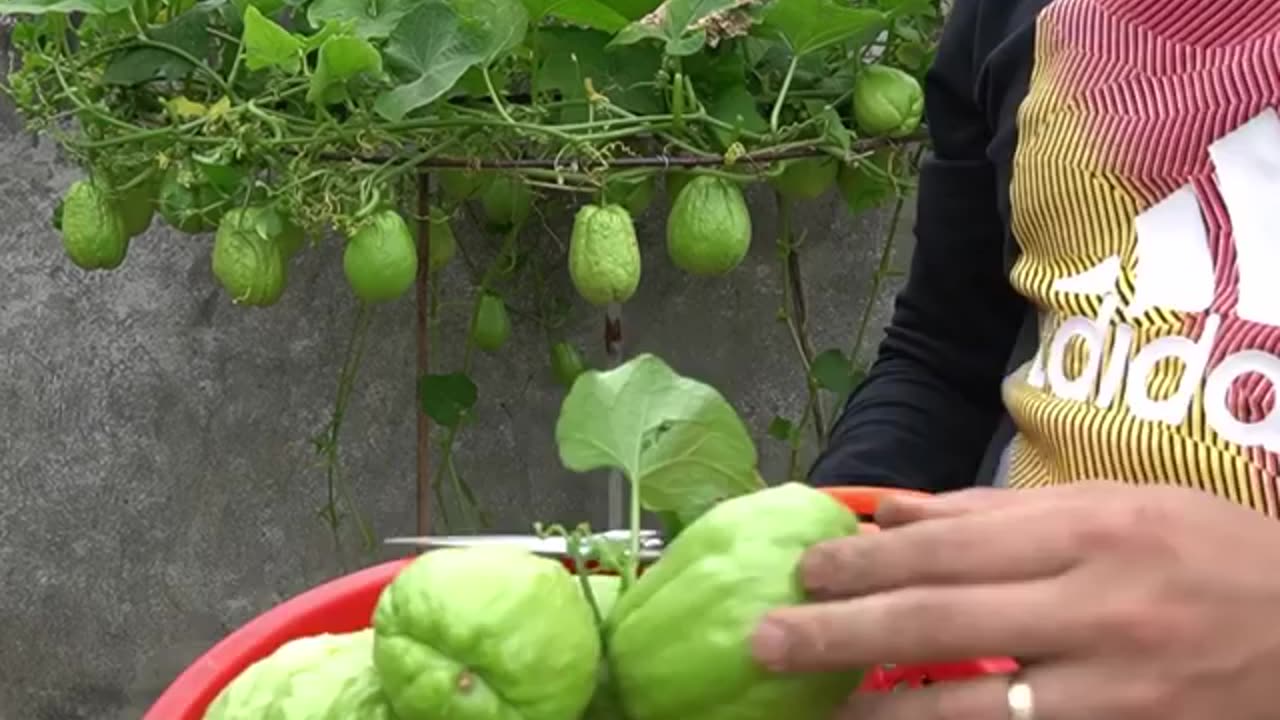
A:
(1097, 280)
(1247, 162)
(1175, 269)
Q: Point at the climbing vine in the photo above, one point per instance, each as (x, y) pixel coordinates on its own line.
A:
(273, 126)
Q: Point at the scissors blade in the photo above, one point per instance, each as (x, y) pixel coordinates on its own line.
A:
(557, 547)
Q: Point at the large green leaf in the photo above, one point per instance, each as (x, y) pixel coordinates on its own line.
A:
(498, 25)
(679, 442)
(570, 57)
(674, 24)
(342, 58)
(588, 13)
(430, 50)
(188, 32)
(369, 20)
(808, 26)
(266, 44)
(41, 7)
(633, 9)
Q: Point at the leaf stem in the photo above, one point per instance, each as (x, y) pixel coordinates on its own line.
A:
(776, 115)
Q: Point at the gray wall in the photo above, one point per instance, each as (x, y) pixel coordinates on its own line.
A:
(157, 487)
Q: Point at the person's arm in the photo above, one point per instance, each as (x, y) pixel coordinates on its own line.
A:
(929, 406)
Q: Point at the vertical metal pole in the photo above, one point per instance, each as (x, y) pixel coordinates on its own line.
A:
(617, 507)
(423, 296)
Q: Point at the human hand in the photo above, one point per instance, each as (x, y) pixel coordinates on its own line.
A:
(1120, 603)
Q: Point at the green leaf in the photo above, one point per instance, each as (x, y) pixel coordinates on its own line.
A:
(498, 25)
(447, 398)
(808, 26)
(570, 57)
(782, 429)
(41, 7)
(588, 13)
(832, 371)
(737, 106)
(341, 59)
(188, 32)
(266, 7)
(368, 20)
(868, 183)
(634, 9)
(432, 49)
(266, 44)
(834, 129)
(675, 26)
(678, 441)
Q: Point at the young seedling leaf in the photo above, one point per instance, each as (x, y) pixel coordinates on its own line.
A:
(679, 442)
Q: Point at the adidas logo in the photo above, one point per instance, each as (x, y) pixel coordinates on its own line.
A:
(1175, 271)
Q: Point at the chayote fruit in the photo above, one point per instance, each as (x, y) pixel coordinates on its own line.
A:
(381, 258)
(491, 325)
(887, 102)
(506, 202)
(443, 243)
(458, 185)
(709, 229)
(189, 201)
(806, 178)
(289, 680)
(93, 231)
(679, 639)
(566, 363)
(486, 633)
(248, 260)
(604, 255)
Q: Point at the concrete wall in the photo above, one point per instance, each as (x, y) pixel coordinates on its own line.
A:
(157, 486)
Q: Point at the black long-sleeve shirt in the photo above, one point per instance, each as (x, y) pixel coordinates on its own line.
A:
(1097, 170)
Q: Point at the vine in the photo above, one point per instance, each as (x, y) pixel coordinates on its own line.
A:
(276, 124)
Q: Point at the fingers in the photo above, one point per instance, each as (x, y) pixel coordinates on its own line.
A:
(1024, 543)
(929, 624)
(901, 510)
(1059, 692)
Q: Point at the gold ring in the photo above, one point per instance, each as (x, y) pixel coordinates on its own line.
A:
(1022, 704)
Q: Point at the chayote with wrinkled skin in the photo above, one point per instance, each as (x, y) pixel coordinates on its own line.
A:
(290, 683)
(93, 231)
(486, 633)
(249, 264)
(604, 255)
(887, 102)
(679, 639)
(709, 228)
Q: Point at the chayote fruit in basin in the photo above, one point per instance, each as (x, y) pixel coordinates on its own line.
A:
(679, 639)
(323, 677)
(486, 633)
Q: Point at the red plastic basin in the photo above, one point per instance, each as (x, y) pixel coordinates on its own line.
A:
(347, 603)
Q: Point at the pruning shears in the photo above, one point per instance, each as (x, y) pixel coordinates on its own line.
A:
(651, 543)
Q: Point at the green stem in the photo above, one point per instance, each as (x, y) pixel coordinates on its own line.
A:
(633, 558)
(776, 115)
(493, 95)
(330, 446)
